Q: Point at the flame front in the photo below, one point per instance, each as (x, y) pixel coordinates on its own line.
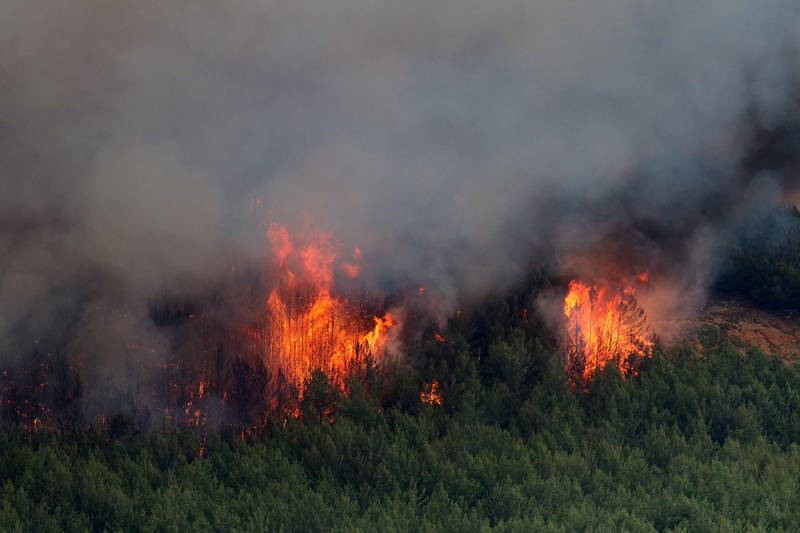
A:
(308, 326)
(603, 325)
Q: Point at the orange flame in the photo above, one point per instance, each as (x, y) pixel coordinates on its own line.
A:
(281, 245)
(308, 325)
(603, 325)
(431, 394)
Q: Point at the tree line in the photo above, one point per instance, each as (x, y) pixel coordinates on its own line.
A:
(702, 437)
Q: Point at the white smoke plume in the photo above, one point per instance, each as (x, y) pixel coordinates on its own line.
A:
(455, 142)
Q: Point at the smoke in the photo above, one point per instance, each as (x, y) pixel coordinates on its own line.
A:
(456, 143)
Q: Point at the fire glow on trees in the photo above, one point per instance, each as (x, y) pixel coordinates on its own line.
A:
(603, 325)
(308, 326)
(240, 353)
(431, 394)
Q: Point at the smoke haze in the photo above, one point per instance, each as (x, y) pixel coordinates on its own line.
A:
(456, 143)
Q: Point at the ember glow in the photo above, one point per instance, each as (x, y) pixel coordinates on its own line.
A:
(430, 394)
(603, 324)
(310, 326)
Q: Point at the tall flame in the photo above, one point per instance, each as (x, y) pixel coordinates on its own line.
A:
(603, 325)
(308, 326)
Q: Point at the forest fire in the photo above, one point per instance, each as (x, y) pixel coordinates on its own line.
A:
(431, 394)
(232, 354)
(308, 326)
(604, 324)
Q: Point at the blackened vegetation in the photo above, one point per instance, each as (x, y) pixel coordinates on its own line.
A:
(200, 361)
(247, 391)
(45, 391)
(763, 265)
(167, 311)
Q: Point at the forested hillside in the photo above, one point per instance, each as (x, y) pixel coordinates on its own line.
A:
(701, 437)
(399, 266)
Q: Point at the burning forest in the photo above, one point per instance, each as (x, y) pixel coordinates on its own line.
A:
(307, 325)
(246, 350)
(397, 171)
(604, 324)
(237, 361)
(423, 266)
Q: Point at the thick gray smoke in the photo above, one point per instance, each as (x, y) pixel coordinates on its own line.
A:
(454, 142)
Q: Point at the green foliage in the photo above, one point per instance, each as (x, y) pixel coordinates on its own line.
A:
(321, 398)
(703, 438)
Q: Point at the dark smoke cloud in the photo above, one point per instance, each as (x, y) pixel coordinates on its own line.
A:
(455, 142)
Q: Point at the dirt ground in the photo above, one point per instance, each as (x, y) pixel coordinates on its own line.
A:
(776, 333)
